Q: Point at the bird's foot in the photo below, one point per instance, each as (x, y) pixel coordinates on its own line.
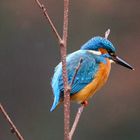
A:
(85, 103)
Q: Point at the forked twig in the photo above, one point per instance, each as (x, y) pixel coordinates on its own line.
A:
(14, 130)
(81, 108)
(45, 12)
(63, 49)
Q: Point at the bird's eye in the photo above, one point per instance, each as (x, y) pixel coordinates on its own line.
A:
(112, 54)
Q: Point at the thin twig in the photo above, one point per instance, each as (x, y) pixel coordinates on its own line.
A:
(81, 108)
(14, 130)
(76, 71)
(45, 12)
(107, 33)
(77, 118)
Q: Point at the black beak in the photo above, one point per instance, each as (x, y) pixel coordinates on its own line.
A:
(119, 61)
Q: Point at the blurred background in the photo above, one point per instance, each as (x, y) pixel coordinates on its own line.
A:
(29, 52)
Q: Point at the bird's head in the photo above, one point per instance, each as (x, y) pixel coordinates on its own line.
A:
(104, 47)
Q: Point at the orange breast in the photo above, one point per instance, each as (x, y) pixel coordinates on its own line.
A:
(98, 81)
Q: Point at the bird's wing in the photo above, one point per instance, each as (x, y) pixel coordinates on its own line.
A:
(85, 74)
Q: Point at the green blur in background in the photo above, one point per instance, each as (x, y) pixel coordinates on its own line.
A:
(29, 52)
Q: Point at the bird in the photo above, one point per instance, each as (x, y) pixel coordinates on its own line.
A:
(96, 54)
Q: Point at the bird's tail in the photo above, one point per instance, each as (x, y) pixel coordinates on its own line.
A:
(55, 87)
(55, 103)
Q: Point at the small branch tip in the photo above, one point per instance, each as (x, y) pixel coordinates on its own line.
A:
(77, 118)
(107, 33)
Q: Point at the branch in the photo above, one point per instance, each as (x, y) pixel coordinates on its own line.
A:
(63, 50)
(81, 108)
(14, 130)
(45, 12)
(65, 76)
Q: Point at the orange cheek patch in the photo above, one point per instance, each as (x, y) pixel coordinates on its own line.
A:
(103, 51)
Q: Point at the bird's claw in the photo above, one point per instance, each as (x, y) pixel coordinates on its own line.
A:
(85, 103)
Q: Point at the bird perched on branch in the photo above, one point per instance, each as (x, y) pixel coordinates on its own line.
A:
(97, 55)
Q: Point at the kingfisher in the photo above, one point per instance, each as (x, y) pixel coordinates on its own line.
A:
(97, 54)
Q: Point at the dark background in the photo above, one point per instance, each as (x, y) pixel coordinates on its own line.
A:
(29, 52)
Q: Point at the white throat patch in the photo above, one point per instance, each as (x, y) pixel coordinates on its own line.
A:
(111, 61)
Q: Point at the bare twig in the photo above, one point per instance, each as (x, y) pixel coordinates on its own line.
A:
(45, 12)
(63, 50)
(14, 130)
(79, 112)
(81, 108)
(107, 33)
